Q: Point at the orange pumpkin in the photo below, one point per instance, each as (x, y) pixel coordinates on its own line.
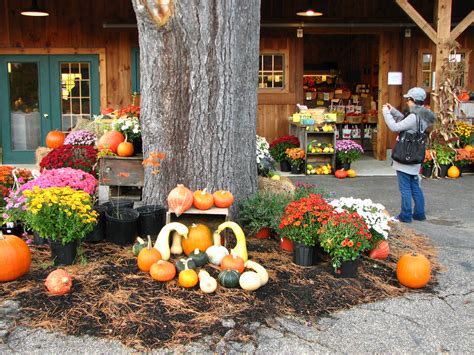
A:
(125, 149)
(454, 172)
(413, 270)
(55, 139)
(468, 148)
(187, 278)
(15, 257)
(58, 282)
(147, 257)
(223, 199)
(162, 271)
(203, 200)
(180, 199)
(199, 237)
(340, 174)
(111, 140)
(233, 262)
(381, 250)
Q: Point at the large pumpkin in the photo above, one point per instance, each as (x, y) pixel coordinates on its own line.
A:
(58, 282)
(454, 172)
(15, 257)
(180, 199)
(111, 140)
(199, 237)
(223, 199)
(413, 270)
(55, 139)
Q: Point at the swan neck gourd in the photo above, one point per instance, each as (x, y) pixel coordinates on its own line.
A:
(216, 238)
(162, 242)
(176, 248)
(259, 269)
(241, 246)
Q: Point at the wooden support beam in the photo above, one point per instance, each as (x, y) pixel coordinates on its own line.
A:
(443, 20)
(418, 19)
(465, 23)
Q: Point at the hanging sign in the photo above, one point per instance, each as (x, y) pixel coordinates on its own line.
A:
(395, 78)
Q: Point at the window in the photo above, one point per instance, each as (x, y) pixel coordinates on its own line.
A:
(459, 62)
(426, 69)
(271, 71)
(135, 70)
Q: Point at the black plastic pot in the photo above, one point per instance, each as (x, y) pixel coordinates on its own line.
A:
(427, 171)
(348, 269)
(302, 254)
(346, 166)
(137, 146)
(113, 204)
(318, 254)
(443, 170)
(285, 166)
(296, 170)
(121, 226)
(37, 240)
(63, 254)
(98, 233)
(151, 220)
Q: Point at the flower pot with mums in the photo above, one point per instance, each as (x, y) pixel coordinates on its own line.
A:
(82, 157)
(278, 149)
(265, 162)
(445, 156)
(347, 152)
(80, 137)
(296, 158)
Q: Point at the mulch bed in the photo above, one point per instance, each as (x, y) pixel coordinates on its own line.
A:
(112, 299)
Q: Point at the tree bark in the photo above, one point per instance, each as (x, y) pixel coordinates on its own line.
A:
(199, 77)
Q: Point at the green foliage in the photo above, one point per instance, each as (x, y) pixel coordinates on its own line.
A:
(445, 155)
(278, 152)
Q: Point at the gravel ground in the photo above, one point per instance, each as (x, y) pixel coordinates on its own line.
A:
(443, 322)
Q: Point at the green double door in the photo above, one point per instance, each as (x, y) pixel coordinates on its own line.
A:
(40, 93)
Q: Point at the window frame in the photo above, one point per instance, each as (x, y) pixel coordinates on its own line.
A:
(135, 69)
(286, 66)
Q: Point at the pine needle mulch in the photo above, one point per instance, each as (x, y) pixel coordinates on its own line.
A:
(112, 299)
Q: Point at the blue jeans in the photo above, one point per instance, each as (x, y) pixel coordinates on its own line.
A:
(410, 189)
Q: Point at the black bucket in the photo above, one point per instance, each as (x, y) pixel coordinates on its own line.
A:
(303, 254)
(37, 240)
(121, 226)
(63, 254)
(114, 204)
(348, 269)
(98, 233)
(152, 219)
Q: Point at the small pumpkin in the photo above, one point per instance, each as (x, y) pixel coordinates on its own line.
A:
(351, 173)
(229, 278)
(180, 199)
(55, 139)
(187, 278)
(200, 258)
(216, 252)
(180, 265)
(454, 172)
(15, 257)
(413, 270)
(233, 262)
(162, 271)
(111, 140)
(125, 149)
(340, 174)
(58, 282)
(203, 200)
(199, 237)
(468, 148)
(380, 251)
(207, 283)
(138, 246)
(147, 257)
(223, 199)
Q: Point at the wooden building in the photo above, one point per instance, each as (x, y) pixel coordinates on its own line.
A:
(85, 57)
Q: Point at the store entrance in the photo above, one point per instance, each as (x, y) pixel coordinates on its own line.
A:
(341, 73)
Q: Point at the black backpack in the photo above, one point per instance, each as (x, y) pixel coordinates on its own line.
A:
(410, 146)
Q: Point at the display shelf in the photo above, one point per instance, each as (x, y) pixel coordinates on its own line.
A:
(320, 158)
(319, 154)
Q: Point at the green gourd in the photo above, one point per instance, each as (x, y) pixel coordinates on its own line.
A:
(200, 258)
(138, 246)
(229, 278)
(180, 265)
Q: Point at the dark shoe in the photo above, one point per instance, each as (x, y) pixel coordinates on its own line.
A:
(419, 217)
(404, 220)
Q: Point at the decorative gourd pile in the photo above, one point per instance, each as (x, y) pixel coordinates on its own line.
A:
(201, 247)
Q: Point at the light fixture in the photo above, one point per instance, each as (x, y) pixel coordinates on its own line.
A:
(35, 10)
(309, 11)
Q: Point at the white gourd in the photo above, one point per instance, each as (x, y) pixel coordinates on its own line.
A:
(250, 281)
(216, 252)
(207, 283)
(259, 269)
(176, 248)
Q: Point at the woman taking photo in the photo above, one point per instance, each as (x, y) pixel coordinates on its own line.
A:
(408, 174)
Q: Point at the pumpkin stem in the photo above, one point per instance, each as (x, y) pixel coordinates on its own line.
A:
(196, 251)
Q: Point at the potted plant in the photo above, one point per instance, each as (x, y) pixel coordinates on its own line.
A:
(463, 160)
(63, 215)
(296, 157)
(465, 132)
(278, 149)
(80, 137)
(427, 164)
(445, 156)
(82, 157)
(128, 123)
(347, 151)
(344, 235)
(300, 223)
(265, 162)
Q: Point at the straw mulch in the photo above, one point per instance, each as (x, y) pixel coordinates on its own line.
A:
(112, 299)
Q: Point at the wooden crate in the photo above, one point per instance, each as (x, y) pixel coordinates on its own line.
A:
(121, 171)
(211, 217)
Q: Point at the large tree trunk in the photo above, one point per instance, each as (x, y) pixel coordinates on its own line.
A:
(199, 76)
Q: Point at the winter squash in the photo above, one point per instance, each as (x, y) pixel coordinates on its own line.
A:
(259, 269)
(180, 265)
(125, 149)
(351, 173)
(111, 140)
(55, 139)
(199, 237)
(15, 257)
(413, 270)
(138, 246)
(380, 251)
(233, 262)
(147, 257)
(200, 258)
(229, 278)
(241, 246)
(180, 199)
(58, 282)
(340, 174)
(216, 252)
(207, 283)
(203, 200)
(176, 248)
(162, 271)
(454, 172)
(223, 199)
(187, 278)
(162, 242)
(250, 281)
